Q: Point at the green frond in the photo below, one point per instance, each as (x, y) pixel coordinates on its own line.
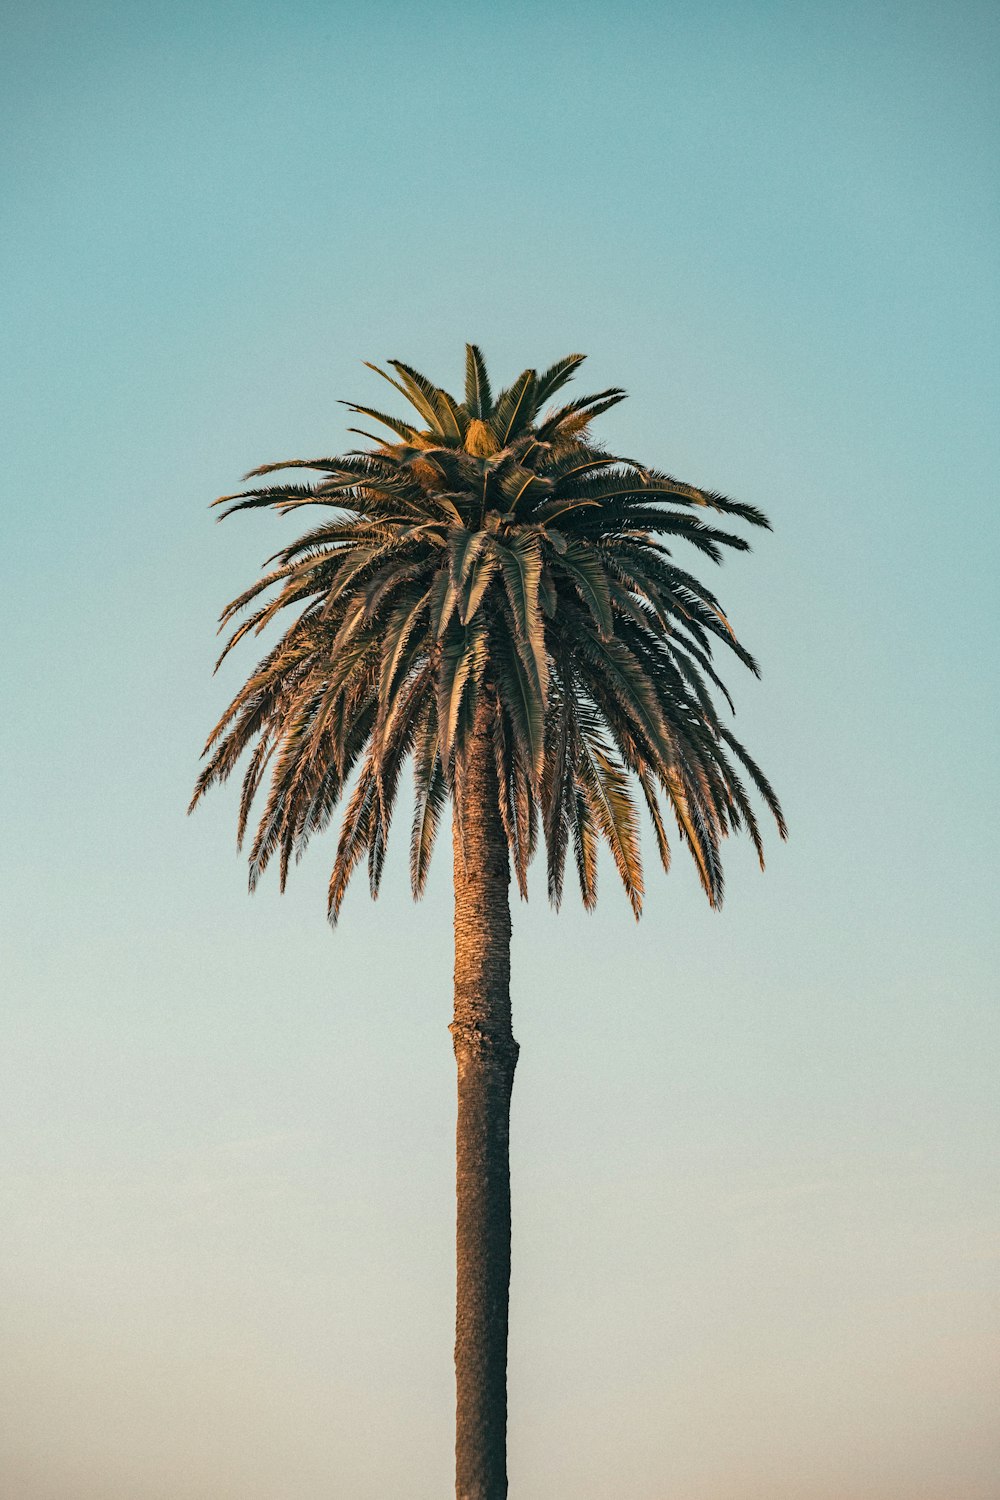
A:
(558, 422)
(252, 779)
(758, 778)
(741, 811)
(673, 591)
(381, 589)
(389, 758)
(401, 429)
(322, 465)
(514, 408)
(548, 598)
(698, 832)
(604, 785)
(555, 508)
(587, 571)
(453, 418)
(521, 564)
(707, 539)
(417, 401)
(505, 753)
(529, 452)
(569, 470)
(463, 658)
(555, 377)
(244, 628)
(430, 796)
(423, 394)
(521, 487)
(681, 649)
(399, 629)
(397, 719)
(333, 537)
(656, 817)
(443, 599)
(557, 787)
(355, 836)
(282, 497)
(523, 703)
(611, 674)
(478, 397)
(710, 498)
(585, 849)
(478, 578)
(524, 824)
(579, 422)
(465, 546)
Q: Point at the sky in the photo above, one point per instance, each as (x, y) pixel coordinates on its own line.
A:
(755, 1152)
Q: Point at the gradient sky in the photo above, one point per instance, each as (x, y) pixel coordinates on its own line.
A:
(755, 1153)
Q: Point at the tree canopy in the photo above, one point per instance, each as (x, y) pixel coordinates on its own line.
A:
(487, 562)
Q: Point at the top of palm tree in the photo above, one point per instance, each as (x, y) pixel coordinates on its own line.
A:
(486, 563)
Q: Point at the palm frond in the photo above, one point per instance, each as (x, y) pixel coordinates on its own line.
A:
(478, 396)
(412, 393)
(558, 422)
(555, 377)
(604, 785)
(401, 429)
(430, 797)
(513, 408)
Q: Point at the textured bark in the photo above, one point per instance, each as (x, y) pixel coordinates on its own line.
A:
(486, 1055)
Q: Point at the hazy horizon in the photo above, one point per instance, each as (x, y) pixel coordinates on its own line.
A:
(755, 1153)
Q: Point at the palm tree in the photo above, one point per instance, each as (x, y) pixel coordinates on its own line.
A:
(492, 596)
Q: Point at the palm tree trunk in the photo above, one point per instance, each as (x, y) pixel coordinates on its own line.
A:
(486, 1055)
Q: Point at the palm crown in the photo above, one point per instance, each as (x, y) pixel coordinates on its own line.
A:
(487, 567)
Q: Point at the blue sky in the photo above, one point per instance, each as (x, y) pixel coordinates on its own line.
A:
(755, 1154)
